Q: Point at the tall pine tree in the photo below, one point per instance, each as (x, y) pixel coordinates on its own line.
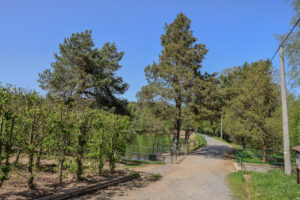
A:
(173, 76)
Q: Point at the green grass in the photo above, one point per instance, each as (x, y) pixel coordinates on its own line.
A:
(155, 177)
(237, 184)
(272, 185)
(255, 156)
(138, 163)
(201, 142)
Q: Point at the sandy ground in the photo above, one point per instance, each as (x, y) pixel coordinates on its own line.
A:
(200, 176)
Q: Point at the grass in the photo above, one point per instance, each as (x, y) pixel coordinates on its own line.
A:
(237, 184)
(138, 163)
(155, 177)
(272, 185)
(256, 156)
(201, 142)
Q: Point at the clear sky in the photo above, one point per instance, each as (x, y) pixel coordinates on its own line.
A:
(235, 31)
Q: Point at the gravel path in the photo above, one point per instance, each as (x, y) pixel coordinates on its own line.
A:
(200, 176)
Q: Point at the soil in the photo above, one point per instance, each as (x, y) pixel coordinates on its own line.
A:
(200, 176)
(46, 180)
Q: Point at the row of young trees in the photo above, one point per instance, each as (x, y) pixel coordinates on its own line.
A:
(70, 133)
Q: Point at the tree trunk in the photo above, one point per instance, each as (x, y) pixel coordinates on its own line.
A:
(264, 153)
(30, 170)
(60, 169)
(38, 158)
(214, 132)
(211, 123)
(79, 168)
(186, 136)
(178, 124)
(18, 156)
(31, 154)
(112, 162)
(100, 160)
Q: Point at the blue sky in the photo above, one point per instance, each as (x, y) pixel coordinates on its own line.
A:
(234, 31)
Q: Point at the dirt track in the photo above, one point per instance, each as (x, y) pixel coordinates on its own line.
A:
(200, 176)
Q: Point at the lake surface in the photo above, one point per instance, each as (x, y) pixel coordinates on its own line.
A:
(146, 144)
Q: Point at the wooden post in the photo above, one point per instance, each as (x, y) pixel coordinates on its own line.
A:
(221, 129)
(298, 179)
(286, 138)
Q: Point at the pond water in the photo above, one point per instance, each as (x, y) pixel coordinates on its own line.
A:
(146, 145)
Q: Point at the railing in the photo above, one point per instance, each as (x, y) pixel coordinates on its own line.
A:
(270, 157)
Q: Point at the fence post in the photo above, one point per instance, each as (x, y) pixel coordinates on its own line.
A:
(241, 163)
(171, 151)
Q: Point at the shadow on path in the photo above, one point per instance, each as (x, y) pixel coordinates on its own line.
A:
(216, 151)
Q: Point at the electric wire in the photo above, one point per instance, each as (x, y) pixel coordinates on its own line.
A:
(288, 35)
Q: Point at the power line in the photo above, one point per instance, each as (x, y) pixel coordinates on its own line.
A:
(286, 38)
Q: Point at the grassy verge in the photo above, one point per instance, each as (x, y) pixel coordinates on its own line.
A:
(138, 163)
(273, 184)
(201, 142)
(237, 185)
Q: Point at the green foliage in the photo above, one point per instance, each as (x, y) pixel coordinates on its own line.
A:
(70, 132)
(251, 112)
(294, 120)
(62, 138)
(10, 109)
(81, 69)
(292, 47)
(200, 142)
(84, 117)
(151, 117)
(155, 177)
(273, 184)
(115, 128)
(172, 79)
(207, 103)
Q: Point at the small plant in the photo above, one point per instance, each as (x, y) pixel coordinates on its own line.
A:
(155, 177)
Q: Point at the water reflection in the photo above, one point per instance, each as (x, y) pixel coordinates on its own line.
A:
(147, 146)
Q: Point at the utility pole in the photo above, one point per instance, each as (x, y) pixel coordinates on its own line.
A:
(221, 129)
(286, 137)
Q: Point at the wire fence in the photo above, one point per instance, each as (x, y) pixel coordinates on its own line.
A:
(268, 157)
(162, 152)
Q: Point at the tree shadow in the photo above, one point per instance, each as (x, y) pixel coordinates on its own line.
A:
(120, 189)
(216, 151)
(51, 186)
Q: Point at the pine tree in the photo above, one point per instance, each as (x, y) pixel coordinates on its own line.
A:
(81, 69)
(173, 76)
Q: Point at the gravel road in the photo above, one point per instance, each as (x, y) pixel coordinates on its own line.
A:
(200, 176)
